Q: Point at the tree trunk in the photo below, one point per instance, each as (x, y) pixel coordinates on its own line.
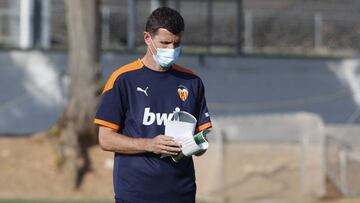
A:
(76, 128)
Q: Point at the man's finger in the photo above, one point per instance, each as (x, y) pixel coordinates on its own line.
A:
(169, 152)
(171, 143)
(168, 138)
(171, 149)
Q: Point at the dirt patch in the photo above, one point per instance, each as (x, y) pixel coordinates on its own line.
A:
(28, 169)
(253, 172)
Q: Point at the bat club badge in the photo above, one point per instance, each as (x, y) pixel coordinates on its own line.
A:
(182, 92)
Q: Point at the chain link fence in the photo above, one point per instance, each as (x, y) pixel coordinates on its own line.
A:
(293, 32)
(214, 26)
(8, 23)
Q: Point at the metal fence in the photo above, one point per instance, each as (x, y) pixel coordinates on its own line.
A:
(212, 26)
(217, 26)
(300, 33)
(205, 25)
(8, 23)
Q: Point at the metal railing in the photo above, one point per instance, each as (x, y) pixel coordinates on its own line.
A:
(212, 26)
(216, 27)
(9, 28)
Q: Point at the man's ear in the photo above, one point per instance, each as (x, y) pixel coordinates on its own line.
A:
(147, 38)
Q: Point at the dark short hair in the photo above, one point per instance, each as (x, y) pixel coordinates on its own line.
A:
(166, 18)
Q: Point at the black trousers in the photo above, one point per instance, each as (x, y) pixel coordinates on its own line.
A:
(117, 200)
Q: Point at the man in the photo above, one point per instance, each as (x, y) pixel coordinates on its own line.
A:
(136, 102)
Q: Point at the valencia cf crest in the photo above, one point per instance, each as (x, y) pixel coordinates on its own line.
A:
(182, 92)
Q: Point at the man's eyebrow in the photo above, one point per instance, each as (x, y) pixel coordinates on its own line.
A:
(170, 41)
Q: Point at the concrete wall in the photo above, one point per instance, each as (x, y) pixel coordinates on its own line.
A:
(34, 86)
(304, 129)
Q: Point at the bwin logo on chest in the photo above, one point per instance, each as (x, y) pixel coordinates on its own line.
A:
(160, 118)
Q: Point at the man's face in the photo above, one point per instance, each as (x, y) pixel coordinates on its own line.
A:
(162, 39)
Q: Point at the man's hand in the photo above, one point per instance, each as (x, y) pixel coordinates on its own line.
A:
(110, 140)
(162, 144)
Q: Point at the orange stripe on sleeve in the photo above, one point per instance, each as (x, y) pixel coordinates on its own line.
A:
(129, 67)
(182, 69)
(203, 127)
(107, 124)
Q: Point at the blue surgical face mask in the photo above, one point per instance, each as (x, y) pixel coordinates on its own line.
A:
(166, 57)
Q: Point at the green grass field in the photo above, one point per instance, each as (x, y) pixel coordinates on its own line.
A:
(49, 201)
